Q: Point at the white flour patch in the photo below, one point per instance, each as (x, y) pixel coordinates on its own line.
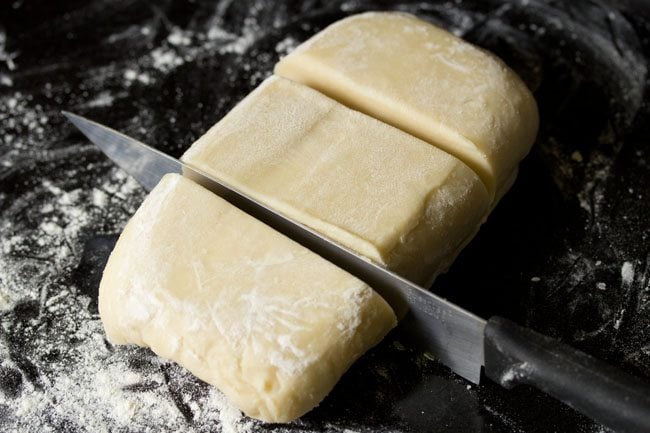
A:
(166, 59)
(286, 45)
(627, 273)
(179, 37)
(131, 75)
(103, 99)
(7, 58)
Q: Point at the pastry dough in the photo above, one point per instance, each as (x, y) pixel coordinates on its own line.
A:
(268, 322)
(271, 324)
(377, 190)
(425, 81)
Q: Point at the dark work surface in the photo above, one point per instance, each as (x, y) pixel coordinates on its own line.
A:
(566, 252)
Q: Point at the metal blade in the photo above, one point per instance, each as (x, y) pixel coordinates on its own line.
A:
(146, 164)
(452, 335)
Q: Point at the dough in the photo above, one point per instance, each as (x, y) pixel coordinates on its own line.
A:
(425, 81)
(268, 322)
(379, 191)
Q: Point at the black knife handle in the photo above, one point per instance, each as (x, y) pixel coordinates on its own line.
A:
(516, 355)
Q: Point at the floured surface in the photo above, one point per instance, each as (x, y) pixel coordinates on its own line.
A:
(393, 198)
(244, 308)
(425, 81)
(551, 256)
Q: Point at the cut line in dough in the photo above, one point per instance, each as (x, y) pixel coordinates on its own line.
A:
(425, 81)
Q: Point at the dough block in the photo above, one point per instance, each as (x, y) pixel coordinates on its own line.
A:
(268, 322)
(427, 82)
(377, 190)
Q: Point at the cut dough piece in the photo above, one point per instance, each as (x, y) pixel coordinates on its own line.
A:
(265, 320)
(381, 192)
(425, 81)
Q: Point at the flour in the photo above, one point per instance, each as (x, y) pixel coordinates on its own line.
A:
(7, 58)
(591, 195)
(166, 59)
(179, 37)
(99, 198)
(286, 45)
(627, 273)
(51, 344)
(100, 391)
(129, 76)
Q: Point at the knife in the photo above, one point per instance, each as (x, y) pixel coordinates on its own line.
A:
(510, 354)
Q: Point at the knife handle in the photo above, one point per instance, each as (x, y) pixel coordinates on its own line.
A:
(515, 355)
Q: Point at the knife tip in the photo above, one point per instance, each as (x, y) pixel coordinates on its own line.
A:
(67, 114)
(75, 119)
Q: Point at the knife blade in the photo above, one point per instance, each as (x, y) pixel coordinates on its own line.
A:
(451, 334)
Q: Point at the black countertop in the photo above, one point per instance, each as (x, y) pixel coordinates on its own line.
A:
(566, 252)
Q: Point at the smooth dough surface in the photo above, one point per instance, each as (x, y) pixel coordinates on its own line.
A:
(427, 82)
(371, 187)
(268, 322)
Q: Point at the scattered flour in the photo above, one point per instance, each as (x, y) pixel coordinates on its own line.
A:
(103, 99)
(242, 42)
(165, 59)
(627, 273)
(286, 45)
(179, 37)
(130, 76)
(7, 58)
